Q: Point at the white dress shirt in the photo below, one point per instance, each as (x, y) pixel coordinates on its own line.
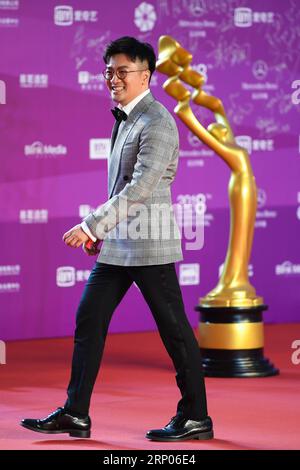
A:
(127, 109)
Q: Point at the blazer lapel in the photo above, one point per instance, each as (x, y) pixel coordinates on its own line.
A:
(115, 157)
(117, 148)
(114, 135)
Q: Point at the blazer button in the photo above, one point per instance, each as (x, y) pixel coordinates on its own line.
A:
(125, 178)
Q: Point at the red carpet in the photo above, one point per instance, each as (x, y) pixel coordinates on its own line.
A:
(136, 391)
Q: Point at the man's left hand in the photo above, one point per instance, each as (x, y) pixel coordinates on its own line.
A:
(75, 237)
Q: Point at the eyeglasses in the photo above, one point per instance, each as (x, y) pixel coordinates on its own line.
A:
(121, 74)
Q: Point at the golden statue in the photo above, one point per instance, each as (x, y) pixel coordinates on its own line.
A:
(231, 327)
(233, 288)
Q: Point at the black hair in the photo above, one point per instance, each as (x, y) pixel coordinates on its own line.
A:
(133, 49)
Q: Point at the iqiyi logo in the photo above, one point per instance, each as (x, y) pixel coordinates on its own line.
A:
(2, 352)
(296, 93)
(2, 92)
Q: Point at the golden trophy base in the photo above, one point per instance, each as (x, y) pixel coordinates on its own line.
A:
(233, 301)
(231, 341)
(232, 295)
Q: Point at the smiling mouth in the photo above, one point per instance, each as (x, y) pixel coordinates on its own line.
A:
(117, 89)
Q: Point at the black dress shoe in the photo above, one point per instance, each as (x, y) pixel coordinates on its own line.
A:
(60, 421)
(182, 429)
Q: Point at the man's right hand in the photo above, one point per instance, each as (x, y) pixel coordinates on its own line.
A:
(91, 248)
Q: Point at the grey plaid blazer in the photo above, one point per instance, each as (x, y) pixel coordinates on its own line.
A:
(137, 222)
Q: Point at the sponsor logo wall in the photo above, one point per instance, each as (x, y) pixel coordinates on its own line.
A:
(55, 127)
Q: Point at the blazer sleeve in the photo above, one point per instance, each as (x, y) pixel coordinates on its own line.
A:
(157, 149)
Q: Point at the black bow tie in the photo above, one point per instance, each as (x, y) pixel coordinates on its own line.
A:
(119, 114)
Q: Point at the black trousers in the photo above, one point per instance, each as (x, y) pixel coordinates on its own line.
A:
(104, 290)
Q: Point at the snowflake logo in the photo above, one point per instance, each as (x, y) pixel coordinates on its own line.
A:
(145, 17)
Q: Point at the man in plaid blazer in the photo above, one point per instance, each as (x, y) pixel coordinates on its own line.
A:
(140, 243)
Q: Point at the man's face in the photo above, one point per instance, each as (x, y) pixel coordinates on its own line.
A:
(125, 90)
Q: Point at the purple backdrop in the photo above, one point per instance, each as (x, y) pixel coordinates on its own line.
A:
(54, 126)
